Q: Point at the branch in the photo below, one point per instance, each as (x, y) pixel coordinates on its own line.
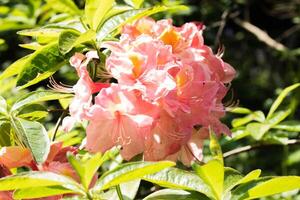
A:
(249, 147)
(261, 35)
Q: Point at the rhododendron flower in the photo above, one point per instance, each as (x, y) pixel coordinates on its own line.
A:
(167, 82)
(16, 156)
(83, 89)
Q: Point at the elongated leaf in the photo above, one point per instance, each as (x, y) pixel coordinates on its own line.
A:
(64, 6)
(38, 179)
(231, 178)
(250, 176)
(95, 10)
(213, 175)
(70, 38)
(257, 116)
(32, 46)
(257, 130)
(66, 40)
(215, 148)
(179, 179)
(128, 189)
(117, 21)
(2, 41)
(15, 68)
(240, 193)
(38, 192)
(34, 136)
(4, 133)
(38, 96)
(37, 32)
(86, 169)
(280, 98)
(40, 65)
(293, 126)
(134, 3)
(128, 172)
(274, 186)
(169, 194)
(3, 106)
(240, 110)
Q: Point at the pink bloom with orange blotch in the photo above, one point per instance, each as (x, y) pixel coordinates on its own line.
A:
(167, 83)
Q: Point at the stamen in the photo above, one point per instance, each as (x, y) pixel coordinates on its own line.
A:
(59, 87)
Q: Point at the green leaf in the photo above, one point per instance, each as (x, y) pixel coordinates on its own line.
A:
(3, 106)
(231, 178)
(169, 194)
(86, 169)
(37, 32)
(215, 147)
(134, 3)
(34, 136)
(250, 176)
(95, 10)
(213, 175)
(274, 186)
(179, 179)
(40, 65)
(34, 179)
(280, 98)
(257, 130)
(69, 39)
(32, 46)
(15, 68)
(257, 116)
(240, 110)
(128, 189)
(129, 171)
(38, 192)
(64, 6)
(292, 126)
(116, 22)
(37, 97)
(2, 41)
(66, 40)
(4, 133)
(240, 193)
(35, 115)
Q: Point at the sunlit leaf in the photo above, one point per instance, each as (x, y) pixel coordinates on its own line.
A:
(169, 194)
(38, 192)
(38, 96)
(64, 6)
(117, 21)
(70, 38)
(34, 136)
(38, 179)
(280, 98)
(129, 171)
(213, 175)
(15, 68)
(95, 10)
(134, 3)
(40, 65)
(274, 186)
(179, 179)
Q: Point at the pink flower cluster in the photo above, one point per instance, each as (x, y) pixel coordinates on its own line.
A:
(168, 82)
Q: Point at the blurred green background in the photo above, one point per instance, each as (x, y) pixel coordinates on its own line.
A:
(261, 39)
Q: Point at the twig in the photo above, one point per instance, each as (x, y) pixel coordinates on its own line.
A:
(261, 35)
(58, 123)
(249, 147)
(221, 27)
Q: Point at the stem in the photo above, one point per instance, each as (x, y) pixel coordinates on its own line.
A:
(58, 123)
(119, 192)
(250, 148)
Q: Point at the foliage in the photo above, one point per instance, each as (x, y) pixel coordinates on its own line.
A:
(31, 116)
